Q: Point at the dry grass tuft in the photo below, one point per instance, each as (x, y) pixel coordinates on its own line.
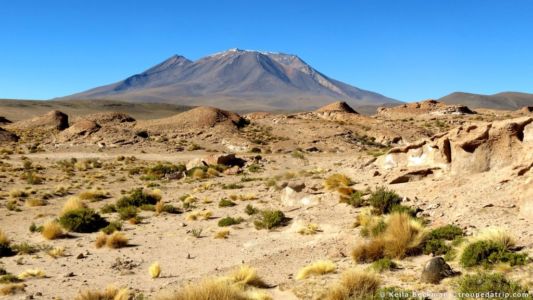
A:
(402, 236)
(93, 196)
(222, 234)
(34, 202)
(114, 241)
(110, 293)
(32, 273)
(12, 289)
(155, 270)
(309, 229)
(52, 230)
(354, 285)
(320, 267)
(207, 289)
(246, 275)
(497, 235)
(199, 215)
(336, 181)
(73, 203)
(101, 239)
(57, 252)
(4, 239)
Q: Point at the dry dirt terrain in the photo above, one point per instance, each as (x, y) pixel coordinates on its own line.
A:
(210, 201)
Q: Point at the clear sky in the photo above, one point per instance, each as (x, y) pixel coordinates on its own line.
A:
(404, 49)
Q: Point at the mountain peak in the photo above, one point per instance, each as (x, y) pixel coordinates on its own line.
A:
(237, 79)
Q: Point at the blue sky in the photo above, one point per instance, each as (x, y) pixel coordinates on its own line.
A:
(405, 49)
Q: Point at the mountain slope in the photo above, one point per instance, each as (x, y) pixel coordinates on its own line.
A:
(507, 100)
(236, 80)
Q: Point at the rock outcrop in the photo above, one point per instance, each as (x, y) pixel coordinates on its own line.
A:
(7, 136)
(339, 106)
(4, 121)
(197, 118)
(428, 107)
(53, 120)
(468, 149)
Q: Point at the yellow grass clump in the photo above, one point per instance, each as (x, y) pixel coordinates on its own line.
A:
(12, 289)
(114, 241)
(57, 252)
(320, 267)
(52, 230)
(496, 235)
(222, 234)
(4, 239)
(199, 215)
(309, 229)
(246, 275)
(31, 273)
(92, 196)
(154, 270)
(335, 181)
(402, 236)
(109, 293)
(73, 203)
(207, 289)
(354, 285)
(33, 202)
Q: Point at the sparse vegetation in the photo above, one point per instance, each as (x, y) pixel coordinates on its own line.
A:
(384, 264)
(82, 220)
(228, 221)
(383, 200)
(268, 219)
(154, 270)
(335, 181)
(320, 267)
(109, 293)
(490, 284)
(52, 230)
(354, 285)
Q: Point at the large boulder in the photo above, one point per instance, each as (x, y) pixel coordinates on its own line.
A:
(435, 270)
(223, 159)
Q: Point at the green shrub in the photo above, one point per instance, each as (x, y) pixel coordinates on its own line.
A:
(108, 208)
(490, 284)
(383, 200)
(226, 203)
(9, 278)
(232, 186)
(488, 252)
(254, 168)
(112, 227)
(34, 228)
(446, 232)
(128, 212)
(228, 221)
(25, 248)
(137, 197)
(171, 209)
(269, 219)
(160, 170)
(250, 210)
(384, 264)
(436, 240)
(355, 199)
(82, 220)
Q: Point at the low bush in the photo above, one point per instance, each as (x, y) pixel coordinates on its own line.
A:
(82, 220)
(353, 285)
(384, 264)
(486, 253)
(490, 284)
(228, 221)
(268, 219)
(127, 212)
(320, 267)
(383, 200)
(226, 203)
(335, 181)
(137, 198)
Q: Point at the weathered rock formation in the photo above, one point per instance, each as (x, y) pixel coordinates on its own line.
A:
(468, 149)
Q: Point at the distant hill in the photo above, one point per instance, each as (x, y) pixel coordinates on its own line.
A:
(237, 80)
(16, 110)
(506, 101)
